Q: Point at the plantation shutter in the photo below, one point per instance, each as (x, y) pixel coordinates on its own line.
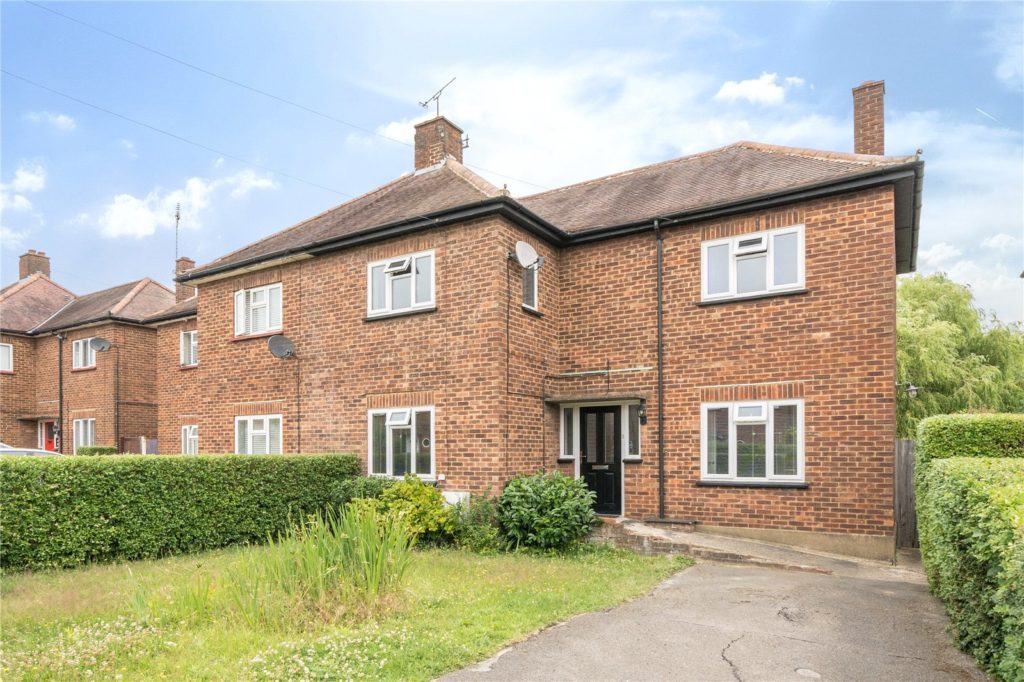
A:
(241, 313)
(274, 429)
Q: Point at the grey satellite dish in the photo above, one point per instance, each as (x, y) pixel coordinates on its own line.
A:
(526, 254)
(281, 346)
(99, 344)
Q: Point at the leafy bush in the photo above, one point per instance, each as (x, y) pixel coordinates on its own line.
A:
(970, 435)
(89, 450)
(360, 487)
(546, 510)
(971, 525)
(65, 511)
(422, 506)
(477, 527)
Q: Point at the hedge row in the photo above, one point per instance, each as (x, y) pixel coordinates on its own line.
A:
(89, 450)
(971, 525)
(61, 512)
(970, 435)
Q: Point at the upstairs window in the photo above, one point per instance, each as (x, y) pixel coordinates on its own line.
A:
(82, 354)
(753, 264)
(402, 442)
(190, 439)
(6, 357)
(530, 292)
(258, 435)
(258, 310)
(189, 348)
(402, 284)
(756, 441)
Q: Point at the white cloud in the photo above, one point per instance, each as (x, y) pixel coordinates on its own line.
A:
(12, 239)
(62, 122)
(764, 90)
(1001, 241)
(130, 216)
(939, 254)
(691, 21)
(1006, 40)
(28, 178)
(14, 202)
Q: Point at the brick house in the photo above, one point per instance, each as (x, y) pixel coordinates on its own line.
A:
(705, 340)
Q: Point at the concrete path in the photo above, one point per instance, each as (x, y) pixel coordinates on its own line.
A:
(744, 623)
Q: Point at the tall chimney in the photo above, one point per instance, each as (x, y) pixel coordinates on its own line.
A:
(869, 118)
(33, 261)
(436, 140)
(183, 292)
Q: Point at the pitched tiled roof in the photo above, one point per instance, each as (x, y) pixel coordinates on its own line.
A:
(744, 170)
(30, 301)
(133, 301)
(434, 189)
(185, 308)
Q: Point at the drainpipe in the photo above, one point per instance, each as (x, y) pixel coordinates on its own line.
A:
(661, 378)
(60, 392)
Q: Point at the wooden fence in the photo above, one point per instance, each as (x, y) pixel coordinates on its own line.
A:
(906, 510)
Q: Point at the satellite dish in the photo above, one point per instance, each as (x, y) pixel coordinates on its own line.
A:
(281, 346)
(526, 254)
(99, 344)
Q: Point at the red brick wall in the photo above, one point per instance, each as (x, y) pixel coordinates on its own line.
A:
(177, 392)
(17, 394)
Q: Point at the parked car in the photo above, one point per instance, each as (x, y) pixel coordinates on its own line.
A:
(6, 449)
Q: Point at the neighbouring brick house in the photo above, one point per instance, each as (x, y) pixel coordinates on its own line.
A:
(710, 339)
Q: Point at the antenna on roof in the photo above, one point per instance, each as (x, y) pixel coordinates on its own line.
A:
(436, 98)
(177, 220)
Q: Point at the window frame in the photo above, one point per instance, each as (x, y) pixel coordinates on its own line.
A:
(575, 411)
(413, 437)
(768, 420)
(536, 288)
(90, 353)
(737, 253)
(89, 426)
(193, 348)
(242, 329)
(249, 432)
(391, 274)
(190, 436)
(9, 369)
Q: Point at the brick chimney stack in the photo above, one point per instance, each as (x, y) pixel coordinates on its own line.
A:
(869, 118)
(183, 292)
(33, 261)
(436, 140)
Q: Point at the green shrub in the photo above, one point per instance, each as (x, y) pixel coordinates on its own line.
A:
(477, 527)
(89, 450)
(971, 526)
(65, 511)
(970, 435)
(360, 487)
(423, 508)
(546, 510)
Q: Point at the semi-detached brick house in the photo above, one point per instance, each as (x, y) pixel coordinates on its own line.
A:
(709, 339)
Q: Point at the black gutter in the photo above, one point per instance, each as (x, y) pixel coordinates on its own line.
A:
(168, 318)
(75, 325)
(661, 374)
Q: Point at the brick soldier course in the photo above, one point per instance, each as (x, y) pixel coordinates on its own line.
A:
(499, 375)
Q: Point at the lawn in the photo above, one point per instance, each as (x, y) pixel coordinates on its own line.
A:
(454, 608)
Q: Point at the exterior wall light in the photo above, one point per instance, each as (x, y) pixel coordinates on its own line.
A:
(910, 388)
(642, 412)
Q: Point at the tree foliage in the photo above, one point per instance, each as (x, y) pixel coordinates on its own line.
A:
(961, 359)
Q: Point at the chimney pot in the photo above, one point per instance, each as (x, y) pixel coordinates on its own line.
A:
(869, 118)
(32, 262)
(183, 292)
(435, 141)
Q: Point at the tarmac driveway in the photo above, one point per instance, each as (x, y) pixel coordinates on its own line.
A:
(734, 622)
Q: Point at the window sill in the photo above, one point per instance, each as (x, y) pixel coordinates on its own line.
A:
(632, 460)
(184, 367)
(795, 485)
(753, 297)
(6, 371)
(403, 313)
(566, 460)
(261, 335)
(84, 369)
(532, 311)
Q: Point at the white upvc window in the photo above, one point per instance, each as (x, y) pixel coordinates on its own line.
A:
(189, 348)
(569, 429)
(752, 441)
(401, 284)
(82, 354)
(190, 439)
(258, 310)
(258, 434)
(753, 264)
(401, 441)
(531, 291)
(6, 357)
(83, 433)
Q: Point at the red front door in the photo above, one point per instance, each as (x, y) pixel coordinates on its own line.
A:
(48, 432)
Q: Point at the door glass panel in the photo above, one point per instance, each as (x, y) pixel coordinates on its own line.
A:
(401, 450)
(750, 274)
(609, 438)
(424, 442)
(784, 436)
(590, 428)
(717, 456)
(750, 450)
(634, 430)
(379, 465)
(567, 433)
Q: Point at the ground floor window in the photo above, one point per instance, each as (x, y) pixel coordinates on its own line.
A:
(190, 439)
(401, 441)
(753, 441)
(258, 434)
(630, 416)
(84, 433)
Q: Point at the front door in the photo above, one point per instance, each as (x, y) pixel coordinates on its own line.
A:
(601, 456)
(48, 436)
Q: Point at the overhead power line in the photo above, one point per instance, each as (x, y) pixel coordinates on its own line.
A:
(200, 145)
(258, 91)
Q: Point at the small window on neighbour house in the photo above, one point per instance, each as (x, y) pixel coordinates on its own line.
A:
(530, 288)
(402, 284)
(258, 310)
(761, 441)
(189, 348)
(6, 357)
(258, 435)
(82, 354)
(190, 439)
(401, 442)
(749, 265)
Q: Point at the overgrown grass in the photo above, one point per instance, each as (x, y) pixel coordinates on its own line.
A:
(453, 608)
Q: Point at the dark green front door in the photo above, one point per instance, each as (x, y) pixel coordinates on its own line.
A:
(601, 456)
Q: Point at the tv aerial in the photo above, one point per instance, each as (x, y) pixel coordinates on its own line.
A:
(436, 98)
(280, 346)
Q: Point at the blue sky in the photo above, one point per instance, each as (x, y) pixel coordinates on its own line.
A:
(548, 93)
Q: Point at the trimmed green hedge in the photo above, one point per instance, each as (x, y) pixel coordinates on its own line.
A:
(65, 511)
(970, 435)
(89, 450)
(971, 524)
